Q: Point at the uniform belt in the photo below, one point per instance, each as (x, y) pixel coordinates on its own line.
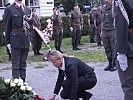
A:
(18, 30)
(130, 29)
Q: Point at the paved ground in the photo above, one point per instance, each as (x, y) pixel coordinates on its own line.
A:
(43, 80)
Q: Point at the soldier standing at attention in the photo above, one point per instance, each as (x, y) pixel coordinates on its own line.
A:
(97, 24)
(35, 38)
(75, 27)
(17, 36)
(91, 25)
(57, 28)
(108, 35)
(124, 36)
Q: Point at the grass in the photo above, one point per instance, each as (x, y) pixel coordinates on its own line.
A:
(85, 55)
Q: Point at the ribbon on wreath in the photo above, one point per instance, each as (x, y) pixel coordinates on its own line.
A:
(46, 36)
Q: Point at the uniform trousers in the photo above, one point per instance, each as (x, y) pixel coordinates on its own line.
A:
(126, 79)
(58, 35)
(83, 84)
(92, 32)
(109, 38)
(19, 57)
(76, 35)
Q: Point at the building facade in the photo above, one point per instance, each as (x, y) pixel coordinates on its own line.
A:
(43, 7)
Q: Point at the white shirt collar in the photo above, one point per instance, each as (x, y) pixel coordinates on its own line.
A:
(63, 65)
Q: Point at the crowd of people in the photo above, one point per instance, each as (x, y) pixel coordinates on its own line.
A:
(111, 25)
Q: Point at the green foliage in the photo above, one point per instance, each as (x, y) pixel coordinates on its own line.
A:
(10, 92)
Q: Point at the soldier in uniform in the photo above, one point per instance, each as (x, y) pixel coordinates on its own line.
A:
(97, 24)
(108, 35)
(75, 27)
(35, 38)
(57, 28)
(91, 25)
(17, 36)
(123, 10)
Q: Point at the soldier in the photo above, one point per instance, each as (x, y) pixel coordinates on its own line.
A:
(75, 27)
(35, 38)
(108, 35)
(97, 24)
(17, 36)
(124, 36)
(91, 25)
(57, 28)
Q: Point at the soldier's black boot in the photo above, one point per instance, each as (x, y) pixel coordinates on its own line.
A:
(74, 47)
(113, 67)
(35, 53)
(77, 48)
(38, 53)
(92, 41)
(60, 50)
(109, 65)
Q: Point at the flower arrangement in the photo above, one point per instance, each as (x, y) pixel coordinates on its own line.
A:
(16, 89)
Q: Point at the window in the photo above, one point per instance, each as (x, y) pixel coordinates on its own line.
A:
(3, 3)
(32, 2)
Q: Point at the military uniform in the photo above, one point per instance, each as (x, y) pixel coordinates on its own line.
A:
(18, 38)
(75, 23)
(57, 30)
(91, 26)
(108, 36)
(35, 38)
(97, 19)
(124, 34)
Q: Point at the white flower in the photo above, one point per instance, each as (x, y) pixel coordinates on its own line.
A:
(28, 88)
(26, 84)
(20, 84)
(20, 80)
(16, 80)
(13, 84)
(7, 81)
(23, 88)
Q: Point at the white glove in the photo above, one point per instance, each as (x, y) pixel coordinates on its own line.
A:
(122, 58)
(9, 47)
(4, 33)
(71, 29)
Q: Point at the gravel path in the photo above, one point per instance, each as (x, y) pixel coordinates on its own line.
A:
(43, 80)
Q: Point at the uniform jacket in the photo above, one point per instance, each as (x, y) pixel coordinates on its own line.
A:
(74, 68)
(57, 21)
(107, 19)
(124, 38)
(13, 16)
(75, 19)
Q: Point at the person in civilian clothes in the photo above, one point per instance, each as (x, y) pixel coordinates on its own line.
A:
(17, 36)
(75, 77)
(57, 28)
(35, 38)
(108, 35)
(75, 27)
(123, 12)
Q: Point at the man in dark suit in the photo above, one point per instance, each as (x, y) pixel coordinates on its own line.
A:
(17, 36)
(124, 35)
(79, 77)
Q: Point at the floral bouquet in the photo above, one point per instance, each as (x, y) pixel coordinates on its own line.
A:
(16, 89)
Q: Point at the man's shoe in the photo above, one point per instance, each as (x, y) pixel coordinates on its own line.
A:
(38, 53)
(87, 96)
(78, 48)
(113, 68)
(107, 68)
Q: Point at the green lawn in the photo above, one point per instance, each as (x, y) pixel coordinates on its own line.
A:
(85, 55)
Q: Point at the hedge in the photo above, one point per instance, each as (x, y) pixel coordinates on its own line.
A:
(66, 29)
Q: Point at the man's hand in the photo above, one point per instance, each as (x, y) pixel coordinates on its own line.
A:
(122, 58)
(71, 29)
(52, 97)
